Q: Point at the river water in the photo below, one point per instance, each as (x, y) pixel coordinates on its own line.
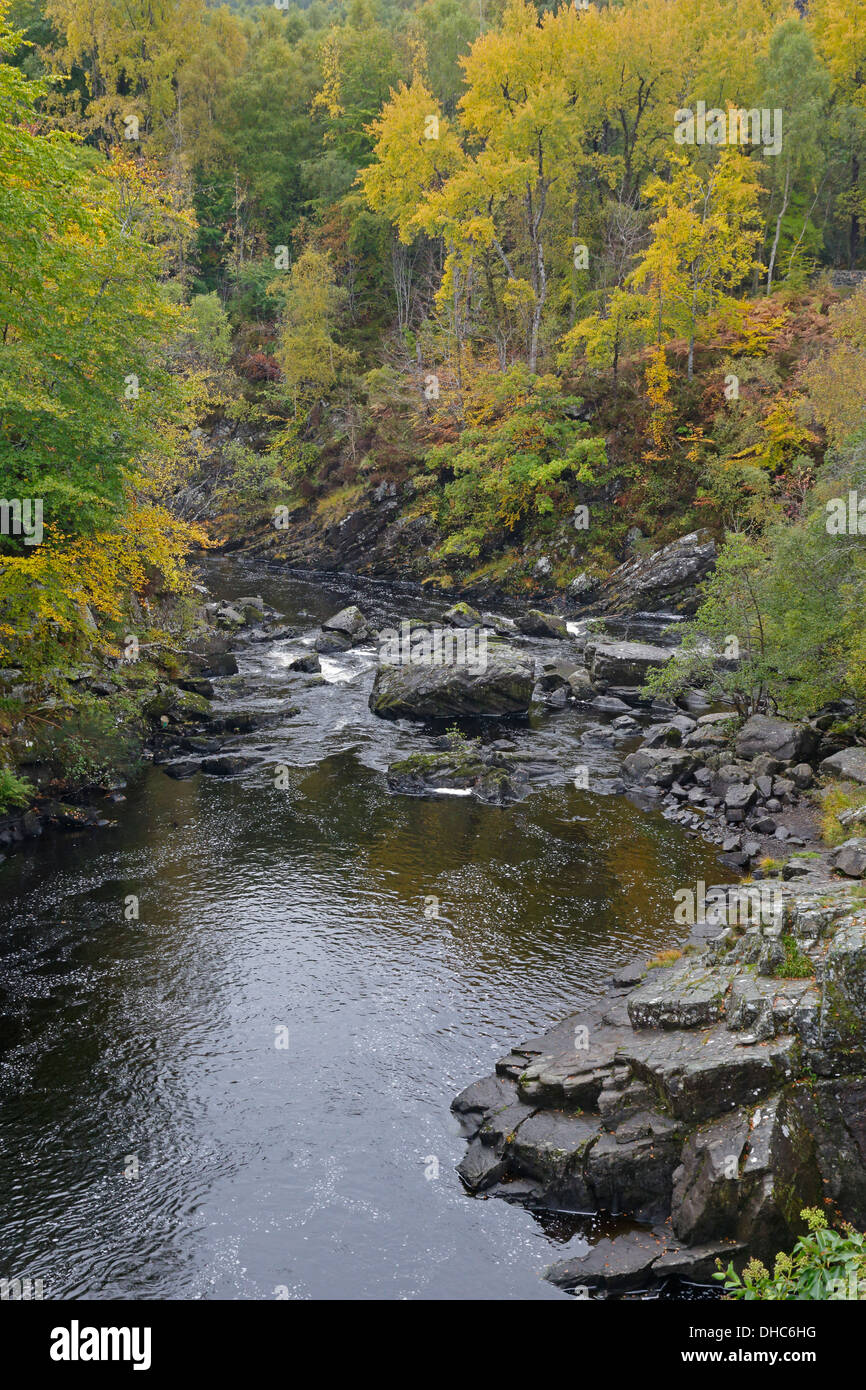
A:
(245, 1092)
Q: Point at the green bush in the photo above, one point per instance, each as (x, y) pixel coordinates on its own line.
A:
(824, 1264)
(14, 790)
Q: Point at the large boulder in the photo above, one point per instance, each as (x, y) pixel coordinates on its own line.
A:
(850, 858)
(624, 663)
(349, 622)
(462, 615)
(763, 735)
(538, 624)
(668, 578)
(498, 683)
(848, 764)
(657, 767)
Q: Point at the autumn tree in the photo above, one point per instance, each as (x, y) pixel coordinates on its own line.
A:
(311, 358)
(703, 241)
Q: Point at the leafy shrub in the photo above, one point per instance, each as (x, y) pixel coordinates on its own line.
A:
(14, 790)
(824, 1264)
(517, 458)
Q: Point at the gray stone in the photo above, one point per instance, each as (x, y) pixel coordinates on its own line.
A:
(849, 764)
(582, 587)
(659, 767)
(501, 684)
(624, 663)
(308, 663)
(683, 996)
(850, 858)
(534, 623)
(740, 796)
(775, 738)
(671, 733)
(329, 643)
(349, 622)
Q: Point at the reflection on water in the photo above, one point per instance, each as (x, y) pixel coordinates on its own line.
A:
(157, 1138)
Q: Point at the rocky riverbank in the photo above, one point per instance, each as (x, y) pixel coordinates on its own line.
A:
(710, 1094)
(78, 745)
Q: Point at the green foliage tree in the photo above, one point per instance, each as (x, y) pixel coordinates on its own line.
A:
(311, 358)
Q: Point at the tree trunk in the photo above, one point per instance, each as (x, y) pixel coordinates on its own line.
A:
(782, 210)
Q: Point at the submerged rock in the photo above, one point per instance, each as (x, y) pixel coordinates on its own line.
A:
(485, 773)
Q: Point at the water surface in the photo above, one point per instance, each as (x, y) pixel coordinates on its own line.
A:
(270, 914)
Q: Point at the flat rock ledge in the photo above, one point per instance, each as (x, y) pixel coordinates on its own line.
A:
(711, 1098)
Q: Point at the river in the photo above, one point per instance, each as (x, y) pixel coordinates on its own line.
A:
(244, 1092)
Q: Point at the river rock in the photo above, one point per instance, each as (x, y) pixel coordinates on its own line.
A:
(330, 643)
(850, 858)
(487, 774)
(658, 767)
(671, 733)
(556, 675)
(624, 663)
(349, 622)
(848, 763)
(763, 734)
(182, 770)
(226, 765)
(538, 624)
(581, 685)
(501, 683)
(210, 656)
(308, 662)
(462, 615)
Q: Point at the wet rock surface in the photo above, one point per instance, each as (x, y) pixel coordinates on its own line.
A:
(701, 1094)
(462, 767)
(499, 684)
(669, 577)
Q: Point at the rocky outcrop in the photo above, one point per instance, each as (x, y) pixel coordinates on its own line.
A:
(669, 578)
(717, 1096)
(495, 680)
(762, 735)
